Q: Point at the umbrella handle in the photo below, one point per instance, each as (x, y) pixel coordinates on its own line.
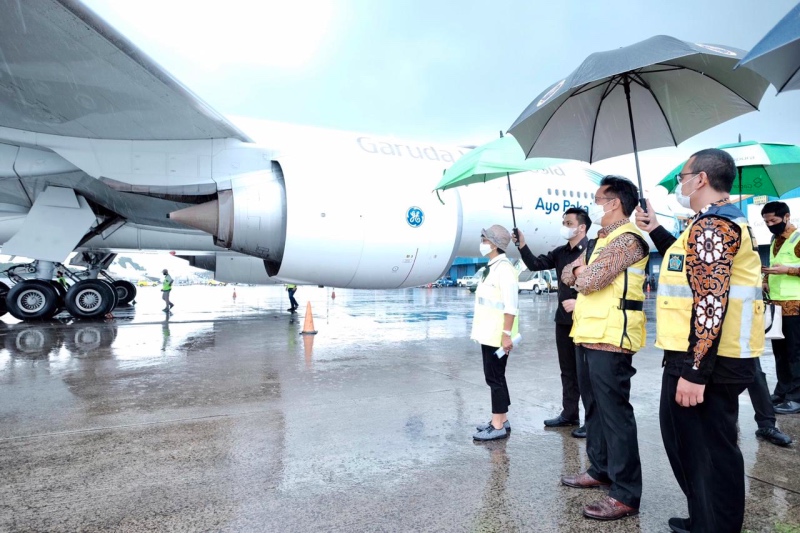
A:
(643, 204)
(515, 232)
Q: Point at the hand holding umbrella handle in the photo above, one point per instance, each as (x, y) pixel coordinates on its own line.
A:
(643, 204)
(515, 233)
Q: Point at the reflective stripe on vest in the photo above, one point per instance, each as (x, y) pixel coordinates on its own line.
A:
(598, 319)
(742, 334)
(784, 287)
(489, 317)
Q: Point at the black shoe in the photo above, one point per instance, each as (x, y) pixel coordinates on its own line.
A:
(171, 305)
(789, 407)
(774, 435)
(775, 399)
(579, 433)
(679, 525)
(560, 422)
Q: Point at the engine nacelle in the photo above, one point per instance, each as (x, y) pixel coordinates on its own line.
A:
(311, 228)
(233, 268)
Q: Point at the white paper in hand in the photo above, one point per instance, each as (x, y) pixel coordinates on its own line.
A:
(501, 352)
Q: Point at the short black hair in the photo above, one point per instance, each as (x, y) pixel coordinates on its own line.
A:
(718, 166)
(779, 209)
(581, 215)
(624, 189)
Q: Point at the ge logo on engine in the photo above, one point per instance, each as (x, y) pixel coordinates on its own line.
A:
(415, 217)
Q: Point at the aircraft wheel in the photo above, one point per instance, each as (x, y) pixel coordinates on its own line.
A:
(90, 298)
(126, 291)
(3, 294)
(32, 299)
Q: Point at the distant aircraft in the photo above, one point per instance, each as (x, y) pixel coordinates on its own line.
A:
(102, 151)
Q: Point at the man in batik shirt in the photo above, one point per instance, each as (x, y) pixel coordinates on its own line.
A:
(710, 277)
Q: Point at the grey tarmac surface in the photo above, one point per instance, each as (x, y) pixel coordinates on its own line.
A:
(224, 418)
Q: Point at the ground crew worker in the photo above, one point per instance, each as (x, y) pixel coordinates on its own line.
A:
(495, 325)
(782, 282)
(291, 288)
(61, 279)
(608, 328)
(710, 323)
(166, 288)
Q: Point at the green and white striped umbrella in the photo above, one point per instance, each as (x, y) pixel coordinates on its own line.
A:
(770, 169)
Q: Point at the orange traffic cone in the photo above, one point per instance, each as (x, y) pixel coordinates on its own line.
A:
(333, 294)
(234, 294)
(648, 286)
(308, 325)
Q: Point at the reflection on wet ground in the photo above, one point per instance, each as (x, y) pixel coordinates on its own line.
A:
(221, 417)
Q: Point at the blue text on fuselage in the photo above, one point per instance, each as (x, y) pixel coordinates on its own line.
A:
(556, 207)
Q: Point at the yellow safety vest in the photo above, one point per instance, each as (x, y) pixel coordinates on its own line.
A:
(487, 324)
(613, 315)
(742, 333)
(784, 287)
(167, 284)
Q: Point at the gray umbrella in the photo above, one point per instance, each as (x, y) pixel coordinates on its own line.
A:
(777, 55)
(655, 93)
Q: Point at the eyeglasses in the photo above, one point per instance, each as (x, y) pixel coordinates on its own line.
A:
(596, 198)
(679, 176)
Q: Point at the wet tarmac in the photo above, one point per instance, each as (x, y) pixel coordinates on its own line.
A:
(221, 417)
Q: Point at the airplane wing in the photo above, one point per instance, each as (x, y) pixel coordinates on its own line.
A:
(64, 71)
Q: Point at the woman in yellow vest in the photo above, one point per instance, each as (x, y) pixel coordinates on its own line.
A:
(494, 326)
(710, 323)
(608, 328)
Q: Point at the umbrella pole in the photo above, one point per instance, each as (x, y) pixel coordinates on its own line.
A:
(740, 188)
(513, 215)
(626, 83)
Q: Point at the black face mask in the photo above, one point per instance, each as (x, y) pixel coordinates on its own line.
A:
(777, 229)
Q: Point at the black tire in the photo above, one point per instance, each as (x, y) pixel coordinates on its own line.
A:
(537, 290)
(90, 298)
(3, 294)
(62, 292)
(113, 292)
(126, 291)
(32, 299)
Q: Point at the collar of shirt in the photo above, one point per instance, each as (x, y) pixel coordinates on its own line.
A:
(496, 259)
(712, 204)
(580, 246)
(611, 227)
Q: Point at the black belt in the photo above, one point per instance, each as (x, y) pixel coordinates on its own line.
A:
(630, 305)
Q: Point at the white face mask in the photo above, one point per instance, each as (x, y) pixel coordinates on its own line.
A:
(685, 201)
(486, 249)
(596, 213)
(567, 233)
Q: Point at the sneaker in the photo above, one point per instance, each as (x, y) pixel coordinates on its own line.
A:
(789, 407)
(491, 434)
(171, 305)
(774, 435)
(484, 427)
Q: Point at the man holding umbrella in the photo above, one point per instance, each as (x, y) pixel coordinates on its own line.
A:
(710, 323)
(575, 224)
(608, 328)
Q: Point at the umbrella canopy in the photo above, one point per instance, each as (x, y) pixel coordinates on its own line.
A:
(495, 159)
(770, 169)
(777, 55)
(655, 93)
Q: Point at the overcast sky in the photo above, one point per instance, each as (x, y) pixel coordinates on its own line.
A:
(439, 71)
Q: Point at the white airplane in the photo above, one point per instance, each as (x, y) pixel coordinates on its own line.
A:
(102, 151)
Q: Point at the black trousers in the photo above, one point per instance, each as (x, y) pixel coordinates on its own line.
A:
(494, 370)
(759, 397)
(611, 438)
(570, 393)
(787, 359)
(701, 446)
